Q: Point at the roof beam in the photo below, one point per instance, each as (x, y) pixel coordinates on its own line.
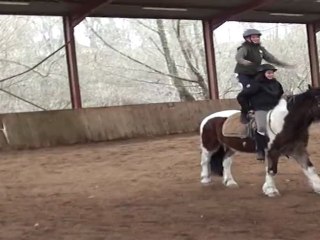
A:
(226, 15)
(71, 57)
(210, 60)
(86, 9)
(313, 55)
(316, 26)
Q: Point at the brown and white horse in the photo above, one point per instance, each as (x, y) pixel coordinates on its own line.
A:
(287, 129)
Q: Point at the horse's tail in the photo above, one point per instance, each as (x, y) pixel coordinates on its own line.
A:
(216, 161)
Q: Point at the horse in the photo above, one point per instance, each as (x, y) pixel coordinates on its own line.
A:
(288, 133)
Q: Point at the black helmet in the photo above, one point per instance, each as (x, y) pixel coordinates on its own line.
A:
(250, 32)
(266, 67)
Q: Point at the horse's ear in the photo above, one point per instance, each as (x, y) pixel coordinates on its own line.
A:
(286, 95)
(309, 87)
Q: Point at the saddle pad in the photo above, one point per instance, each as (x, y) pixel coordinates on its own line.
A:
(232, 127)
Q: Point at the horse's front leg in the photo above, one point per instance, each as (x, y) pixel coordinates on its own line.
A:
(269, 187)
(302, 157)
(205, 166)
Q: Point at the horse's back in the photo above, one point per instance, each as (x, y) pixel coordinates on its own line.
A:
(211, 126)
(232, 127)
(221, 114)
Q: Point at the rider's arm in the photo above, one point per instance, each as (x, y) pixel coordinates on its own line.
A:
(281, 90)
(241, 54)
(249, 90)
(272, 59)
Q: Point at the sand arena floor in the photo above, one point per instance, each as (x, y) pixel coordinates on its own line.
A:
(149, 189)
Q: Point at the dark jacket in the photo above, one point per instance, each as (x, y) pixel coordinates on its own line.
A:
(262, 94)
(253, 53)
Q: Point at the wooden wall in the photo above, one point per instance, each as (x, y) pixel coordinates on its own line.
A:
(52, 128)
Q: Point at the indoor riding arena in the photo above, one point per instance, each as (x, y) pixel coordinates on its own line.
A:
(133, 171)
(149, 188)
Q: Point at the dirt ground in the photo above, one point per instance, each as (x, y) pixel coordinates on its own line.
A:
(149, 189)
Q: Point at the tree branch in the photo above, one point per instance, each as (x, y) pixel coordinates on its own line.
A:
(133, 59)
(187, 57)
(35, 66)
(147, 27)
(157, 47)
(21, 64)
(22, 99)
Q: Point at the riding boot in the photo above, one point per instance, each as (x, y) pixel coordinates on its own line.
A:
(245, 106)
(261, 145)
(244, 118)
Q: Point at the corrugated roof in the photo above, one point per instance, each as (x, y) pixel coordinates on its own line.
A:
(287, 11)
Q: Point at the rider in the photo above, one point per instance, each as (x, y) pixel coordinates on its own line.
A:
(249, 57)
(263, 94)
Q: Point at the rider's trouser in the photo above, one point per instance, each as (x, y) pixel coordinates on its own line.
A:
(245, 81)
(261, 134)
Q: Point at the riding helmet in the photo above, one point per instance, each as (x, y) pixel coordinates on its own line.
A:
(251, 31)
(266, 67)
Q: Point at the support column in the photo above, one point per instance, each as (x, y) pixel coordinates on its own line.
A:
(72, 63)
(313, 55)
(210, 59)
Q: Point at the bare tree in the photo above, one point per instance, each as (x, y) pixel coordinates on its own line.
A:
(172, 68)
(126, 61)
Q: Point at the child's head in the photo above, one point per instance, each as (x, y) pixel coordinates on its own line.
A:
(268, 70)
(252, 35)
(269, 74)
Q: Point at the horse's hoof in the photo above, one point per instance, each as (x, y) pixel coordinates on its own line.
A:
(206, 181)
(317, 191)
(270, 191)
(273, 194)
(230, 184)
(316, 188)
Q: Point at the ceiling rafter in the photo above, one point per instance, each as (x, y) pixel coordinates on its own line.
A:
(219, 10)
(316, 25)
(85, 9)
(219, 19)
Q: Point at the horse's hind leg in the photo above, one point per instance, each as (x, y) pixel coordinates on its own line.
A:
(228, 180)
(205, 165)
(308, 169)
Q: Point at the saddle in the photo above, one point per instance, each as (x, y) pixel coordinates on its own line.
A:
(232, 127)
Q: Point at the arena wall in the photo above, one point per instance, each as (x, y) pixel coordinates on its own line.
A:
(65, 127)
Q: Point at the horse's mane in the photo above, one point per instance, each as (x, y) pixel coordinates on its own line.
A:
(298, 106)
(296, 101)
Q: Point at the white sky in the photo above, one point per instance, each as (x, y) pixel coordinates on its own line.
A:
(228, 32)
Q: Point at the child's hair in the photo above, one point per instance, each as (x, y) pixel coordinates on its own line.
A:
(259, 76)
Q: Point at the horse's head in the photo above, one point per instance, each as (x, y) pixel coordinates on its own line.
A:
(315, 95)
